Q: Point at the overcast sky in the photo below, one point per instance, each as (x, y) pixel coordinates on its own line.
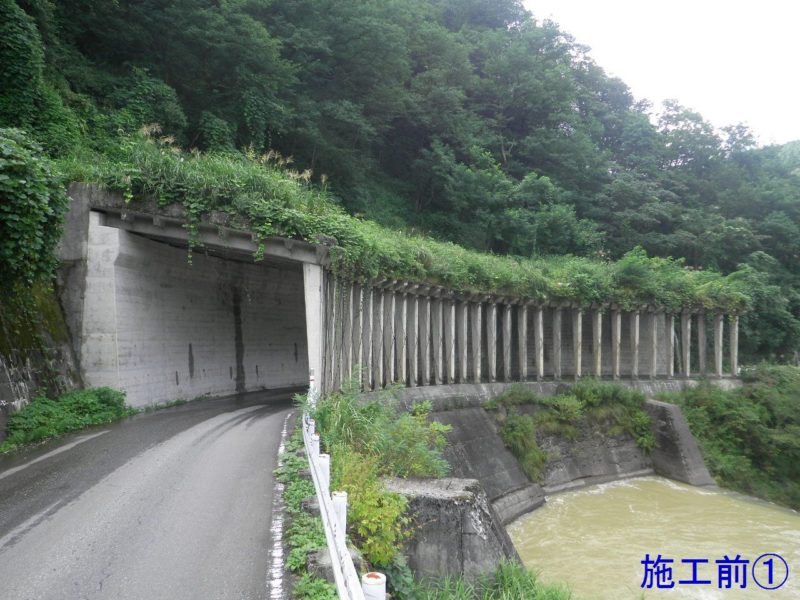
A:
(733, 61)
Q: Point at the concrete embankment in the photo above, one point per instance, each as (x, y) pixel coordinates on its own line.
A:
(477, 451)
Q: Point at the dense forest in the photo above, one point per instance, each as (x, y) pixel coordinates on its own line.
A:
(469, 120)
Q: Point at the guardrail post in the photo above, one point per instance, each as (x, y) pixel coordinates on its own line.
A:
(340, 508)
(325, 472)
(374, 586)
(314, 445)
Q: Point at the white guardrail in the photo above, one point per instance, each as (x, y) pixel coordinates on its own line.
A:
(333, 509)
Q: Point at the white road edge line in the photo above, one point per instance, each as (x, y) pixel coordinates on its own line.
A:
(275, 575)
(64, 448)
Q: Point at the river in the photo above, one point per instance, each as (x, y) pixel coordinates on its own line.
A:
(595, 540)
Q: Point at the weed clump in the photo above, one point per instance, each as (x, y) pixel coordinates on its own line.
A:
(45, 418)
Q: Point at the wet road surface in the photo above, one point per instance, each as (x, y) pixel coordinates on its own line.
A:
(172, 504)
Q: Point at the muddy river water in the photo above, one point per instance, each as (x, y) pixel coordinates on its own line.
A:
(595, 540)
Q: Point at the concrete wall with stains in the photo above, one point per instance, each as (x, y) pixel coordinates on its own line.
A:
(147, 321)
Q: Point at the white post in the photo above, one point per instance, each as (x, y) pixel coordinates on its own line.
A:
(374, 586)
(315, 444)
(339, 499)
(325, 472)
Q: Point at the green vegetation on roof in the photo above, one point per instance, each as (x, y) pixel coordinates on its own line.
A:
(261, 194)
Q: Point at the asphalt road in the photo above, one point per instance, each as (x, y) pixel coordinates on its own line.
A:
(175, 504)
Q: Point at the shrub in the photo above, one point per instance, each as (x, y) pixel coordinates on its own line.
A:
(750, 436)
(31, 212)
(519, 435)
(263, 196)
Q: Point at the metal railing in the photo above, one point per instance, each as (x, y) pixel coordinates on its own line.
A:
(333, 510)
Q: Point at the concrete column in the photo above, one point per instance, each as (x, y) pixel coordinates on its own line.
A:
(506, 320)
(701, 343)
(463, 352)
(597, 342)
(475, 325)
(491, 340)
(557, 343)
(522, 341)
(449, 319)
(436, 340)
(400, 342)
(634, 326)
(347, 331)
(670, 335)
(338, 320)
(734, 334)
(425, 339)
(686, 344)
(538, 335)
(616, 337)
(358, 324)
(388, 337)
(312, 290)
(719, 328)
(330, 333)
(577, 340)
(366, 338)
(653, 345)
(377, 340)
(412, 333)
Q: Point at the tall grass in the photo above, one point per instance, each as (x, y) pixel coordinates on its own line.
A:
(511, 581)
(262, 194)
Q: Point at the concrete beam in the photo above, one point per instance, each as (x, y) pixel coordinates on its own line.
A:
(222, 239)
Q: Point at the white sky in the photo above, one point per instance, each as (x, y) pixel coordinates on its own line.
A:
(733, 61)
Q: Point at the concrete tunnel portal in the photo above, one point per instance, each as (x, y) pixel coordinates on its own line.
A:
(147, 319)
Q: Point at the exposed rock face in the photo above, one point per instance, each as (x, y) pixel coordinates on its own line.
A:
(456, 529)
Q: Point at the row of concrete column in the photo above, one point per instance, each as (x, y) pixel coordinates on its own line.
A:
(406, 334)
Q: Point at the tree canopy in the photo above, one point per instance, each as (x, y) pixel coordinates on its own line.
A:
(466, 120)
